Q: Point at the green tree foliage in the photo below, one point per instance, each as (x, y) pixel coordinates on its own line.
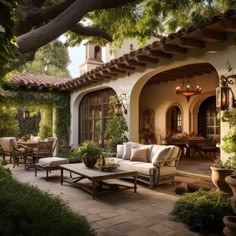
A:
(51, 59)
(7, 39)
(9, 126)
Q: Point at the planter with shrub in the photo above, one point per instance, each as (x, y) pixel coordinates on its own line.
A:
(202, 211)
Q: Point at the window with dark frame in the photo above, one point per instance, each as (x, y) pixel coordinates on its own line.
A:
(176, 120)
(93, 113)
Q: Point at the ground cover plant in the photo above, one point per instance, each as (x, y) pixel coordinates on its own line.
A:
(25, 210)
(202, 211)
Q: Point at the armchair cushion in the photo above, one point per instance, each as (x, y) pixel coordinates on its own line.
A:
(162, 154)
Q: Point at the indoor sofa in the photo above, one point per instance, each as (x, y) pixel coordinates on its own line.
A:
(156, 164)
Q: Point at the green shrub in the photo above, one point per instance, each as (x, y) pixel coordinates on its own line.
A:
(202, 211)
(25, 210)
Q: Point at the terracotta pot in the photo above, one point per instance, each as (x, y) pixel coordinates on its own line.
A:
(230, 225)
(90, 162)
(231, 181)
(218, 179)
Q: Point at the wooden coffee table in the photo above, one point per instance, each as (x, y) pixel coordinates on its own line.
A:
(97, 177)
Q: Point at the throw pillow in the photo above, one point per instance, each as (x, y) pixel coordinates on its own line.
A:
(139, 154)
(127, 149)
(119, 150)
(161, 155)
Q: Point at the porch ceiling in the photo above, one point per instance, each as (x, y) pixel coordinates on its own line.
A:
(182, 72)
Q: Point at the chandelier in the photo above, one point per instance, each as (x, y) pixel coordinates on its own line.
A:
(188, 89)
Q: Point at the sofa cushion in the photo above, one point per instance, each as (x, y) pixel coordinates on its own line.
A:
(139, 154)
(153, 151)
(127, 149)
(174, 152)
(144, 168)
(119, 150)
(161, 155)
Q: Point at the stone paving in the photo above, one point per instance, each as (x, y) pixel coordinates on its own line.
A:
(115, 213)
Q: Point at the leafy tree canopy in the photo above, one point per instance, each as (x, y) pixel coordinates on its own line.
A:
(51, 59)
(39, 22)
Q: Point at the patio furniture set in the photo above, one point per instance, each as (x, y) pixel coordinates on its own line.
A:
(29, 152)
(149, 164)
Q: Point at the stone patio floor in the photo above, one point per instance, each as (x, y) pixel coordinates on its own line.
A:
(115, 213)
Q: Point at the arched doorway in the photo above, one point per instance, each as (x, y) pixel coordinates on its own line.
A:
(93, 111)
(208, 124)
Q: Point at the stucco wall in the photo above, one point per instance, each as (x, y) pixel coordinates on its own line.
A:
(160, 97)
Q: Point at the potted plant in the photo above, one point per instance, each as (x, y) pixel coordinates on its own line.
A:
(89, 152)
(115, 131)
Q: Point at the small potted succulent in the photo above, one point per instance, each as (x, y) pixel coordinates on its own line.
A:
(89, 152)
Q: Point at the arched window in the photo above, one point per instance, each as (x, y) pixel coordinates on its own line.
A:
(93, 113)
(174, 120)
(97, 50)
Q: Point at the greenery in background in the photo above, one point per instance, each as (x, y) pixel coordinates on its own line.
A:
(51, 59)
(229, 140)
(202, 211)
(9, 127)
(45, 126)
(115, 130)
(40, 101)
(25, 210)
(7, 38)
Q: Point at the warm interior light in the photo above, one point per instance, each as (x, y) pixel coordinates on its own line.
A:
(188, 89)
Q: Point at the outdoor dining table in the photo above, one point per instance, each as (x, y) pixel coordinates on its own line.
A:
(190, 143)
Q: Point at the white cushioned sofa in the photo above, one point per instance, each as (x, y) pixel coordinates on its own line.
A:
(156, 164)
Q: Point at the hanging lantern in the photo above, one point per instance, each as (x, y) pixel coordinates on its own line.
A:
(222, 97)
(25, 113)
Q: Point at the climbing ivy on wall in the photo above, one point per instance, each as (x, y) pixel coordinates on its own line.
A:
(36, 101)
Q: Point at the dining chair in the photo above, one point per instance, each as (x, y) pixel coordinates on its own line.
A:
(54, 140)
(19, 152)
(6, 148)
(44, 149)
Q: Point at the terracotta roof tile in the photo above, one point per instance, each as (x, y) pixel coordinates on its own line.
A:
(41, 81)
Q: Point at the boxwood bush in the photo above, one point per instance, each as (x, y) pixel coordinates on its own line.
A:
(202, 211)
(25, 210)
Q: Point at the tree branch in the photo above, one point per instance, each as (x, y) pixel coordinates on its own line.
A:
(63, 22)
(90, 31)
(42, 16)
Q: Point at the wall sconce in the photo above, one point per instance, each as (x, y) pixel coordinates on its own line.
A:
(118, 104)
(223, 92)
(25, 113)
(188, 89)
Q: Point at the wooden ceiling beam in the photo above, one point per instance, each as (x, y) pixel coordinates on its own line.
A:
(106, 72)
(190, 43)
(133, 62)
(159, 54)
(173, 49)
(123, 66)
(209, 35)
(146, 59)
(115, 69)
(224, 25)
